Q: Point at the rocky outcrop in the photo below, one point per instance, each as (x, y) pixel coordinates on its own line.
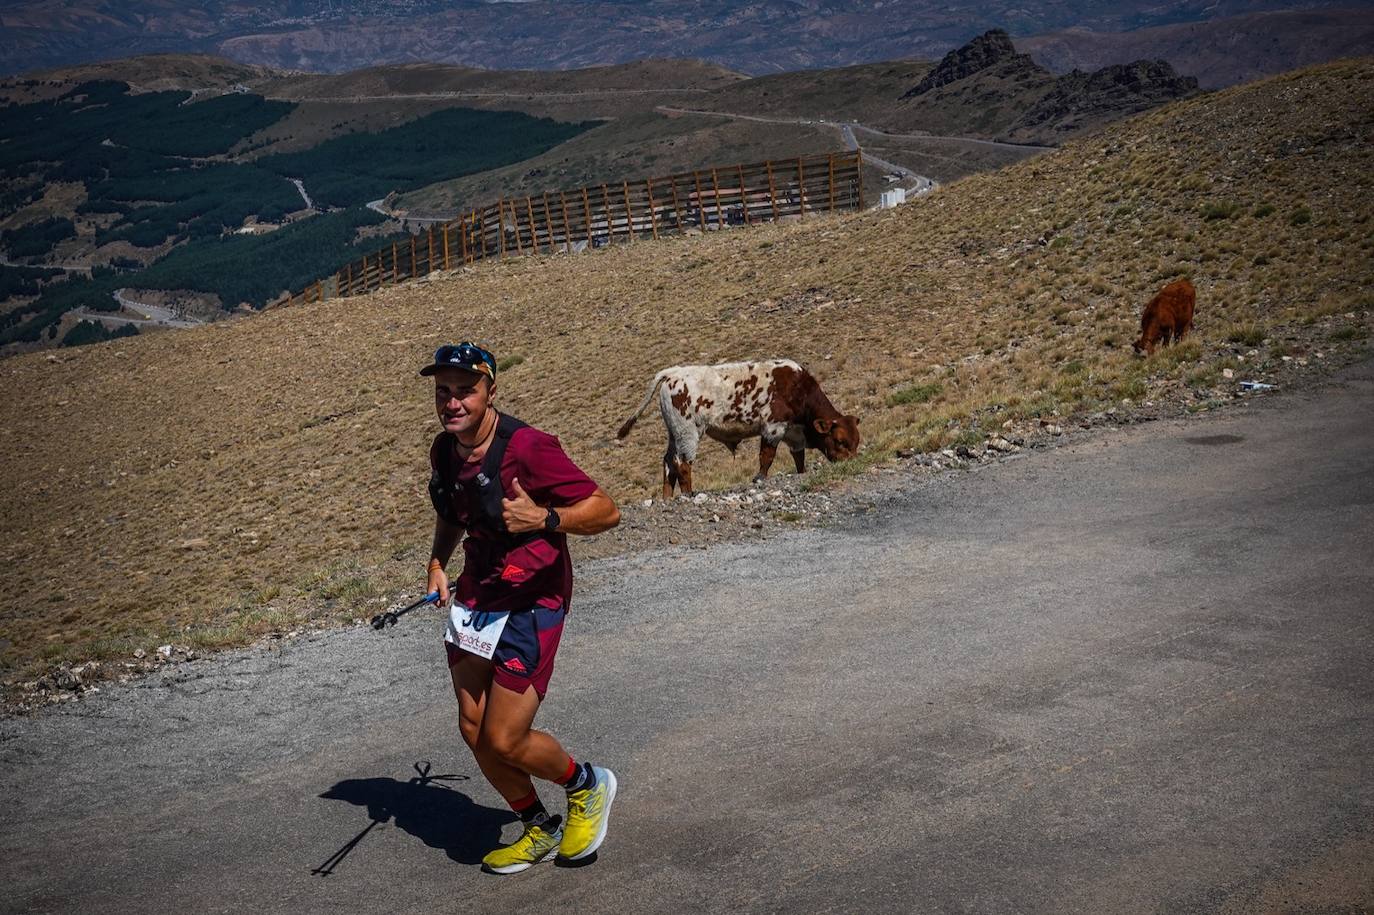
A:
(1079, 98)
(991, 49)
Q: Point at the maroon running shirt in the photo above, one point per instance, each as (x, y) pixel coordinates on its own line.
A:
(537, 573)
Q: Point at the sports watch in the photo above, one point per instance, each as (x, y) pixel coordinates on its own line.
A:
(551, 520)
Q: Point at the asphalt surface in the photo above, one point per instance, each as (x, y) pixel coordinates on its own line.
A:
(1132, 674)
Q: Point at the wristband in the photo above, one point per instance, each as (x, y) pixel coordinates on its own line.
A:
(435, 564)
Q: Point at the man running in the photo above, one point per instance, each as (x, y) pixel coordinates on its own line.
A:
(516, 495)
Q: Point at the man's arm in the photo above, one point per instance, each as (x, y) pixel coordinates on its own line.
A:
(592, 515)
(446, 537)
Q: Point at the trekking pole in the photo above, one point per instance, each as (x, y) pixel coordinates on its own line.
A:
(389, 618)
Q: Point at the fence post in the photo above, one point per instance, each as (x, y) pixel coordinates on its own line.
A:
(653, 220)
(515, 219)
(629, 213)
(832, 182)
(501, 227)
(587, 211)
(414, 266)
(548, 224)
(606, 210)
(567, 229)
(677, 207)
(715, 188)
(801, 186)
(446, 227)
(744, 196)
(859, 163)
(395, 268)
(534, 230)
(701, 204)
(772, 189)
(429, 264)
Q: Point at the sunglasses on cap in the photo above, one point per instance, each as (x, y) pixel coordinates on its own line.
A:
(463, 355)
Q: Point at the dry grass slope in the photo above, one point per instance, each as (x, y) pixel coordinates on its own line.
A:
(204, 478)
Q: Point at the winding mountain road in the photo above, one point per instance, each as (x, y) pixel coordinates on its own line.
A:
(1129, 674)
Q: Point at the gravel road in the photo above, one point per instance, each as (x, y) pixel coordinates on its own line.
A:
(1129, 674)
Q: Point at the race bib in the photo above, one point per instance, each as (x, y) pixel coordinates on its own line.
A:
(475, 631)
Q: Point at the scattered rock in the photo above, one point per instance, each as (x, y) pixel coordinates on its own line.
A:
(1228, 373)
(140, 653)
(164, 651)
(1052, 429)
(1000, 444)
(66, 678)
(700, 498)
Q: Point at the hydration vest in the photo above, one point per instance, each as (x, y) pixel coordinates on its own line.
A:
(484, 505)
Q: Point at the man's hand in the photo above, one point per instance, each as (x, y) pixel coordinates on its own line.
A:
(521, 514)
(438, 581)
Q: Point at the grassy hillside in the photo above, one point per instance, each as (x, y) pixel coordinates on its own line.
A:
(206, 483)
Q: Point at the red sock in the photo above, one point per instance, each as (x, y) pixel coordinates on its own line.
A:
(530, 809)
(524, 803)
(570, 774)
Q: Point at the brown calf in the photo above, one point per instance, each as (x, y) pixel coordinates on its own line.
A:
(1168, 317)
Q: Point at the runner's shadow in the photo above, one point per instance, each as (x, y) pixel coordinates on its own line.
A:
(436, 815)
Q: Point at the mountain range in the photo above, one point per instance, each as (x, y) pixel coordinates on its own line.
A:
(762, 36)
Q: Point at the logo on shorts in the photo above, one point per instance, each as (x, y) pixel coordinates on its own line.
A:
(514, 665)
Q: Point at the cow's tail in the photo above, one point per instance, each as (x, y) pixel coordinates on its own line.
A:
(644, 404)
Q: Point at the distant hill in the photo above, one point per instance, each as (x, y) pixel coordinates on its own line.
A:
(161, 72)
(1219, 52)
(749, 36)
(986, 88)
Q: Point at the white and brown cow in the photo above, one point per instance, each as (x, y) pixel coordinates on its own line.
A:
(776, 399)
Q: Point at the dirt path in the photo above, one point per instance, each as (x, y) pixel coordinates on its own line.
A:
(922, 183)
(1128, 674)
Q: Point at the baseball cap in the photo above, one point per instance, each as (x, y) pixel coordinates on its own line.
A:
(463, 355)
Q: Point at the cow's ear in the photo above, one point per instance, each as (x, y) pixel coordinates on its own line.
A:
(823, 426)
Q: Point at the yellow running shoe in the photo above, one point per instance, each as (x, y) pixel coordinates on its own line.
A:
(588, 811)
(536, 843)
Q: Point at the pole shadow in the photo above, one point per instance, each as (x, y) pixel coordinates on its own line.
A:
(436, 814)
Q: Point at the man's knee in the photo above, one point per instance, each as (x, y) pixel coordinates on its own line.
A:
(505, 745)
(471, 730)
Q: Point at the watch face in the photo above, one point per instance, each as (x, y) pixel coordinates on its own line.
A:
(551, 520)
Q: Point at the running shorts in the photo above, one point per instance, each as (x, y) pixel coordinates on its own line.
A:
(524, 655)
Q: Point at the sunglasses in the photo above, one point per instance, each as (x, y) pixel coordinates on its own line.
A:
(465, 355)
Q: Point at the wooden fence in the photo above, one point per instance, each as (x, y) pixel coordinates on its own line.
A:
(570, 221)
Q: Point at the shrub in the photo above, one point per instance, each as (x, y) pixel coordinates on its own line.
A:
(1301, 217)
(917, 393)
(1246, 334)
(1221, 209)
